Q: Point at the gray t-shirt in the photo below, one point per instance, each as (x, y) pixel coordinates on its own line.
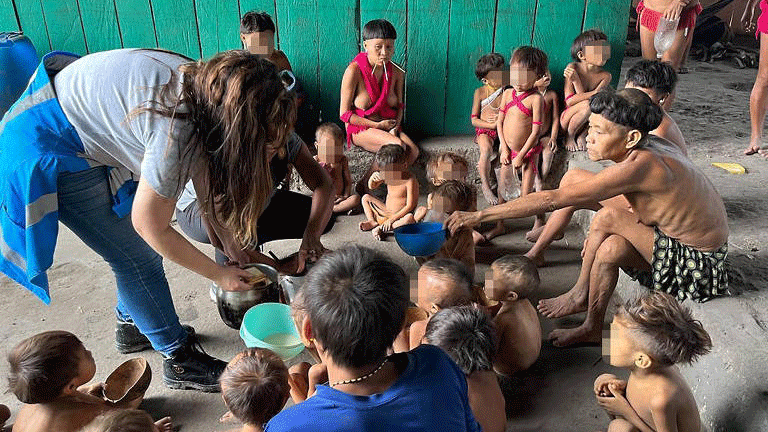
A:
(99, 91)
(278, 168)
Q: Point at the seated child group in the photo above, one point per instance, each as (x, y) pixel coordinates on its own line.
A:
(484, 331)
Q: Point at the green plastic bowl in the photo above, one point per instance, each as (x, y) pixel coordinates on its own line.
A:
(270, 326)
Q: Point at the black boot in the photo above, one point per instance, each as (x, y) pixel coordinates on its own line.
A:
(128, 338)
(189, 367)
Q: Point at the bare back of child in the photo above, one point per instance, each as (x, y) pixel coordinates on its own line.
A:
(583, 78)
(468, 336)
(56, 396)
(511, 280)
(645, 338)
(65, 415)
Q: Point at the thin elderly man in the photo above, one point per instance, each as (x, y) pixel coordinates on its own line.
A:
(673, 237)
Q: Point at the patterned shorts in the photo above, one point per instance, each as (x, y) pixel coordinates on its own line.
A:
(683, 271)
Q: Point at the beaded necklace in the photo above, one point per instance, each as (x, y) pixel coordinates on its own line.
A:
(364, 377)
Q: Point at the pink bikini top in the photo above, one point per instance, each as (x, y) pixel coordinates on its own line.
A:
(518, 102)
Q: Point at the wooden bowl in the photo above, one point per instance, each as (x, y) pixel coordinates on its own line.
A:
(128, 382)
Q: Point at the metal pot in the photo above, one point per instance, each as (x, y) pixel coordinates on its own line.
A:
(232, 305)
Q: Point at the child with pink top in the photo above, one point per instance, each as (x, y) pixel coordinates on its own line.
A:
(519, 125)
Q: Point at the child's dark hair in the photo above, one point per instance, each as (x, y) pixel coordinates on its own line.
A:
(628, 107)
(460, 193)
(355, 299)
(43, 365)
(389, 154)
(255, 386)
(521, 270)
(667, 328)
(531, 58)
(255, 21)
(653, 74)
(330, 128)
(466, 334)
(122, 420)
(487, 63)
(457, 273)
(379, 29)
(445, 156)
(586, 38)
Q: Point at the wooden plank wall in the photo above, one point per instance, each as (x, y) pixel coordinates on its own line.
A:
(439, 41)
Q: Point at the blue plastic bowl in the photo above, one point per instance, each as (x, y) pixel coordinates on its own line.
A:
(421, 239)
(270, 326)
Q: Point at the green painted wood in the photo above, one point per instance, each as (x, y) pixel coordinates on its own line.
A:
(267, 6)
(514, 25)
(8, 21)
(100, 25)
(438, 41)
(610, 16)
(136, 25)
(469, 37)
(65, 30)
(176, 26)
(427, 56)
(341, 36)
(556, 25)
(30, 13)
(393, 11)
(218, 23)
(299, 36)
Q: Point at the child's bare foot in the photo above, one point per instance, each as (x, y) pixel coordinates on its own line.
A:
(378, 233)
(581, 142)
(574, 301)
(489, 195)
(164, 424)
(368, 225)
(534, 234)
(494, 232)
(578, 335)
(570, 144)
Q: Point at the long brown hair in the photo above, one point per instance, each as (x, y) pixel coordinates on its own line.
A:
(238, 110)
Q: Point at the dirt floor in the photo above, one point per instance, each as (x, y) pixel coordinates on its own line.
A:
(712, 111)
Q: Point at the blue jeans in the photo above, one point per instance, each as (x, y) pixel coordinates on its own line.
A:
(143, 295)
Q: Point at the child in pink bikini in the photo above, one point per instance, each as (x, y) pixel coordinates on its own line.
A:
(583, 78)
(329, 140)
(485, 111)
(519, 124)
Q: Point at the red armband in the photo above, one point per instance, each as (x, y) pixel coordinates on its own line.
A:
(346, 116)
(473, 116)
(536, 123)
(570, 96)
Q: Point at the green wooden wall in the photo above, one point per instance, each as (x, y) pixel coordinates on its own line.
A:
(438, 41)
